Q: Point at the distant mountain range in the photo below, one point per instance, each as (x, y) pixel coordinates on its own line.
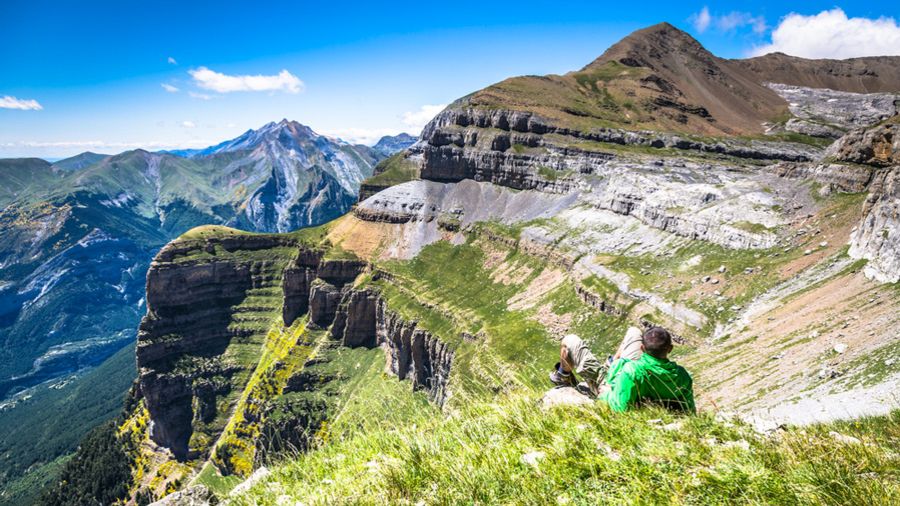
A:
(78, 236)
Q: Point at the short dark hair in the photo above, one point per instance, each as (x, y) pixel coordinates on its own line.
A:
(657, 342)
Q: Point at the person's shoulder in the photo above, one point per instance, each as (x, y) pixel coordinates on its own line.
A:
(628, 366)
(681, 371)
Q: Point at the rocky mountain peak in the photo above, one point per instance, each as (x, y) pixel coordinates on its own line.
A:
(653, 47)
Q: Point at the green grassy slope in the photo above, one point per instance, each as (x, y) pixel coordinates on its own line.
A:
(512, 452)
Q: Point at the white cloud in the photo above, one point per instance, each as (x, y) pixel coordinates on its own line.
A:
(8, 102)
(223, 83)
(701, 19)
(169, 88)
(200, 96)
(172, 61)
(188, 124)
(727, 22)
(416, 120)
(734, 20)
(367, 136)
(831, 34)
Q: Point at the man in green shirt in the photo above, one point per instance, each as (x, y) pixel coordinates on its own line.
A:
(640, 373)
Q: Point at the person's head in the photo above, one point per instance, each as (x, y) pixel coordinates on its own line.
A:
(657, 342)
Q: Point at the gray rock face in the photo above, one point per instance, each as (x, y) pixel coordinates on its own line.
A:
(298, 280)
(841, 178)
(877, 238)
(470, 127)
(363, 319)
(875, 155)
(329, 288)
(828, 113)
(467, 202)
(414, 353)
(565, 396)
(355, 323)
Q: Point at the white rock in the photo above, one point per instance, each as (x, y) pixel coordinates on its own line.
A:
(565, 396)
(740, 444)
(257, 476)
(843, 438)
(532, 458)
(722, 268)
(840, 348)
(674, 426)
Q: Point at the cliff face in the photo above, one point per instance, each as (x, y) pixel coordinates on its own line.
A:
(200, 294)
(877, 238)
(414, 353)
(364, 319)
(225, 352)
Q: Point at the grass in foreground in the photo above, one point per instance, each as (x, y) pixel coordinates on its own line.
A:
(511, 452)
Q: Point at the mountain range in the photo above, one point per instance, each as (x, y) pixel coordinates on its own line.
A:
(79, 235)
(399, 352)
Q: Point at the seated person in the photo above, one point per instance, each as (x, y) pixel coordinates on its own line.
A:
(640, 373)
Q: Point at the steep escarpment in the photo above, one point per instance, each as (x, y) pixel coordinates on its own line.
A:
(877, 238)
(240, 352)
(198, 307)
(364, 319)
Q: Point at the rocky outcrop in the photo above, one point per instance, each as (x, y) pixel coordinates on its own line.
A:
(414, 353)
(465, 202)
(821, 112)
(323, 303)
(453, 130)
(364, 320)
(297, 285)
(328, 290)
(878, 146)
(194, 290)
(837, 177)
(355, 323)
(877, 237)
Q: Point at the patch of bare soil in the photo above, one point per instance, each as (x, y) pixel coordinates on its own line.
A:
(509, 273)
(557, 325)
(540, 286)
(363, 238)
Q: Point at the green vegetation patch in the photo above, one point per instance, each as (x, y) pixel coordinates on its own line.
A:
(394, 170)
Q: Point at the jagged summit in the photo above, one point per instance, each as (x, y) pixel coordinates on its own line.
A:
(285, 131)
(650, 46)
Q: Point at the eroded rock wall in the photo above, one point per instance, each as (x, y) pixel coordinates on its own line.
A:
(194, 290)
(414, 353)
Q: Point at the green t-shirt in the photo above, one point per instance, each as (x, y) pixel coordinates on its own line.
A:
(649, 379)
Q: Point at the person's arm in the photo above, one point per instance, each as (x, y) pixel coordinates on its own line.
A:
(689, 394)
(623, 390)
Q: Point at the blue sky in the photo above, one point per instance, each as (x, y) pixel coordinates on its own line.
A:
(81, 75)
